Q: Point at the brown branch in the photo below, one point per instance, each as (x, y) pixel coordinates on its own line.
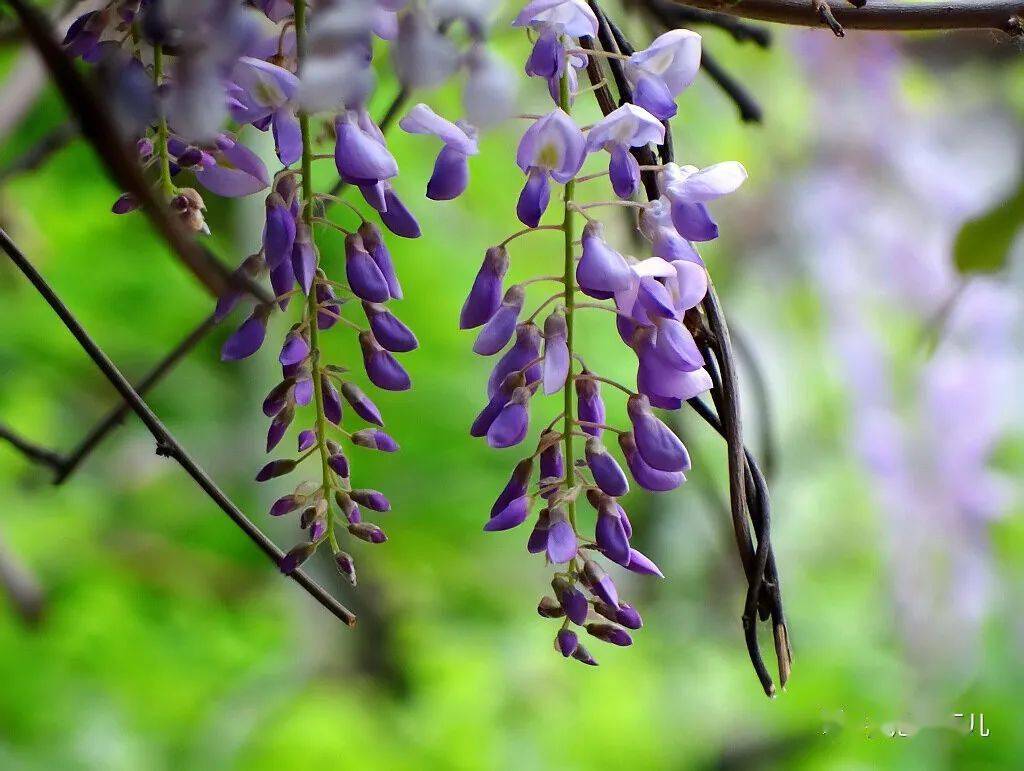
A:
(167, 445)
(888, 15)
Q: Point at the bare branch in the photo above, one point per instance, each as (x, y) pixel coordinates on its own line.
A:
(167, 445)
(117, 415)
(676, 15)
(749, 107)
(889, 15)
(34, 452)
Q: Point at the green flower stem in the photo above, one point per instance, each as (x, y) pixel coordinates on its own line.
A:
(569, 278)
(162, 132)
(311, 308)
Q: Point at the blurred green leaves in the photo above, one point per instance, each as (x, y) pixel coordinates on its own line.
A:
(983, 244)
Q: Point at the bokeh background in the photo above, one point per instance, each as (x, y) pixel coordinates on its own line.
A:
(891, 405)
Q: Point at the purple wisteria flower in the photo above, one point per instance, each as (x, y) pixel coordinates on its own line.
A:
(552, 148)
(663, 70)
(689, 189)
(628, 126)
(451, 170)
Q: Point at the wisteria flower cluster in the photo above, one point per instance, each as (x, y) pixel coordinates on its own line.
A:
(649, 299)
(276, 66)
(200, 73)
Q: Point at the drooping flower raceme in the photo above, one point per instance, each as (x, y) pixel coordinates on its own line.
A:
(287, 68)
(650, 298)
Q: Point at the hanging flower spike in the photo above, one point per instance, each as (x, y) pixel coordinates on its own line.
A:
(628, 126)
(451, 169)
(663, 70)
(553, 146)
(688, 189)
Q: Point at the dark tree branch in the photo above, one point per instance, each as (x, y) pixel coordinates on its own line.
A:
(759, 387)
(98, 127)
(749, 107)
(34, 452)
(167, 445)
(888, 15)
(117, 415)
(678, 16)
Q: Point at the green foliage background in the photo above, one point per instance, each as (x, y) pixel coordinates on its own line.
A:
(170, 643)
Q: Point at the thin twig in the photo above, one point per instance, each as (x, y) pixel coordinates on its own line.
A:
(759, 387)
(34, 452)
(678, 15)
(893, 15)
(749, 107)
(167, 445)
(117, 415)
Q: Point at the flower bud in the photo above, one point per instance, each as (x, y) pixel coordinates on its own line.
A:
(610, 634)
(566, 642)
(589, 405)
(367, 531)
(361, 404)
(332, 403)
(572, 600)
(512, 423)
(285, 505)
(552, 464)
(276, 468)
(381, 366)
(556, 352)
(498, 330)
(608, 475)
(583, 655)
(371, 499)
(296, 556)
(279, 425)
(365, 279)
(346, 566)
(375, 440)
(485, 296)
(278, 397)
(562, 543)
(600, 583)
(548, 607)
